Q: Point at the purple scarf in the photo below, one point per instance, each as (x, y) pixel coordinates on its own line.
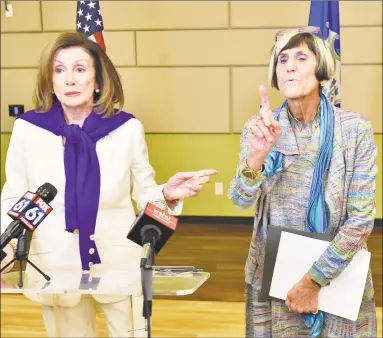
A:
(82, 170)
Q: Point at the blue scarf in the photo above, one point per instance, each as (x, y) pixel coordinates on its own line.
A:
(82, 170)
(316, 220)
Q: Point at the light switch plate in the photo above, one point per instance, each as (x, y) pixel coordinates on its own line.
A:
(219, 188)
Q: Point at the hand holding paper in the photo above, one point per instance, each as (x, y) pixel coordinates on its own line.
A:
(303, 297)
(296, 254)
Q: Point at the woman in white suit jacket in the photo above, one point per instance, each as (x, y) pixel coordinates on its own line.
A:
(94, 155)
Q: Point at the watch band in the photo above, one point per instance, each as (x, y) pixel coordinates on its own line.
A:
(249, 173)
(317, 284)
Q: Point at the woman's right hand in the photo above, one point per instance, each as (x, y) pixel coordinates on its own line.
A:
(8, 249)
(264, 132)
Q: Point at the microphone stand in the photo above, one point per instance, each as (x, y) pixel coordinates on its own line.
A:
(147, 282)
(21, 255)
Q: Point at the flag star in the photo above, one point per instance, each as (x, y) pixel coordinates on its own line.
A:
(86, 28)
(98, 22)
(78, 25)
(82, 2)
(80, 12)
(99, 11)
(88, 17)
(91, 4)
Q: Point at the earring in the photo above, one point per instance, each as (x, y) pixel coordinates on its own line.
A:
(97, 90)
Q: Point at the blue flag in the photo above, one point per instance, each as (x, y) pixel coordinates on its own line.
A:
(325, 14)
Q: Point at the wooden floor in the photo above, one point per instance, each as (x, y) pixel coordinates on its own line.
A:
(215, 310)
(171, 318)
(222, 250)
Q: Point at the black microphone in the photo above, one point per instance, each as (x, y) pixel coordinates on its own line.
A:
(152, 229)
(21, 248)
(28, 213)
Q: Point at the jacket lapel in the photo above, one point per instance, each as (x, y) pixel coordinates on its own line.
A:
(287, 143)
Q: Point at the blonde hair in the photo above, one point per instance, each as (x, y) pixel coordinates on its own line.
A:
(295, 37)
(107, 78)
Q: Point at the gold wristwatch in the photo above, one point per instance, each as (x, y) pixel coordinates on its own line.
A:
(249, 173)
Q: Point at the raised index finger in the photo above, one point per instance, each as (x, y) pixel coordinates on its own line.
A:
(265, 110)
(264, 98)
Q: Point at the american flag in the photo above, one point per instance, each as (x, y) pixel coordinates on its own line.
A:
(89, 21)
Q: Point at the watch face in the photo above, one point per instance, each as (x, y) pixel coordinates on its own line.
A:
(248, 173)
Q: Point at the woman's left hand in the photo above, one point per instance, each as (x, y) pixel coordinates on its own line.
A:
(186, 184)
(303, 296)
(10, 254)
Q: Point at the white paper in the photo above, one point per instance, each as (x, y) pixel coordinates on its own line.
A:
(297, 253)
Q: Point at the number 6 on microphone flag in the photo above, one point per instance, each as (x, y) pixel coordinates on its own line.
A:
(31, 210)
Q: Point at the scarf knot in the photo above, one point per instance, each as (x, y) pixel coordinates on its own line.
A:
(73, 133)
(82, 170)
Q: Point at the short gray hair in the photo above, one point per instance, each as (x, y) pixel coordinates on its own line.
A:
(290, 38)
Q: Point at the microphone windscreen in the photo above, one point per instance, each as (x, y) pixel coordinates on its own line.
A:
(157, 218)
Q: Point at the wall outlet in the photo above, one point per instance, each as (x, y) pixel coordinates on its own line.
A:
(16, 109)
(219, 188)
(8, 10)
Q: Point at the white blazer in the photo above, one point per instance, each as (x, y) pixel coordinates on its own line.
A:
(36, 156)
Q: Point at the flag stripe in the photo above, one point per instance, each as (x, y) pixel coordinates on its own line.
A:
(99, 37)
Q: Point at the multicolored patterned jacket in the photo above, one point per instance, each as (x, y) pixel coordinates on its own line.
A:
(349, 195)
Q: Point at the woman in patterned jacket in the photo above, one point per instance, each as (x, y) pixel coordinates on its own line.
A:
(310, 166)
